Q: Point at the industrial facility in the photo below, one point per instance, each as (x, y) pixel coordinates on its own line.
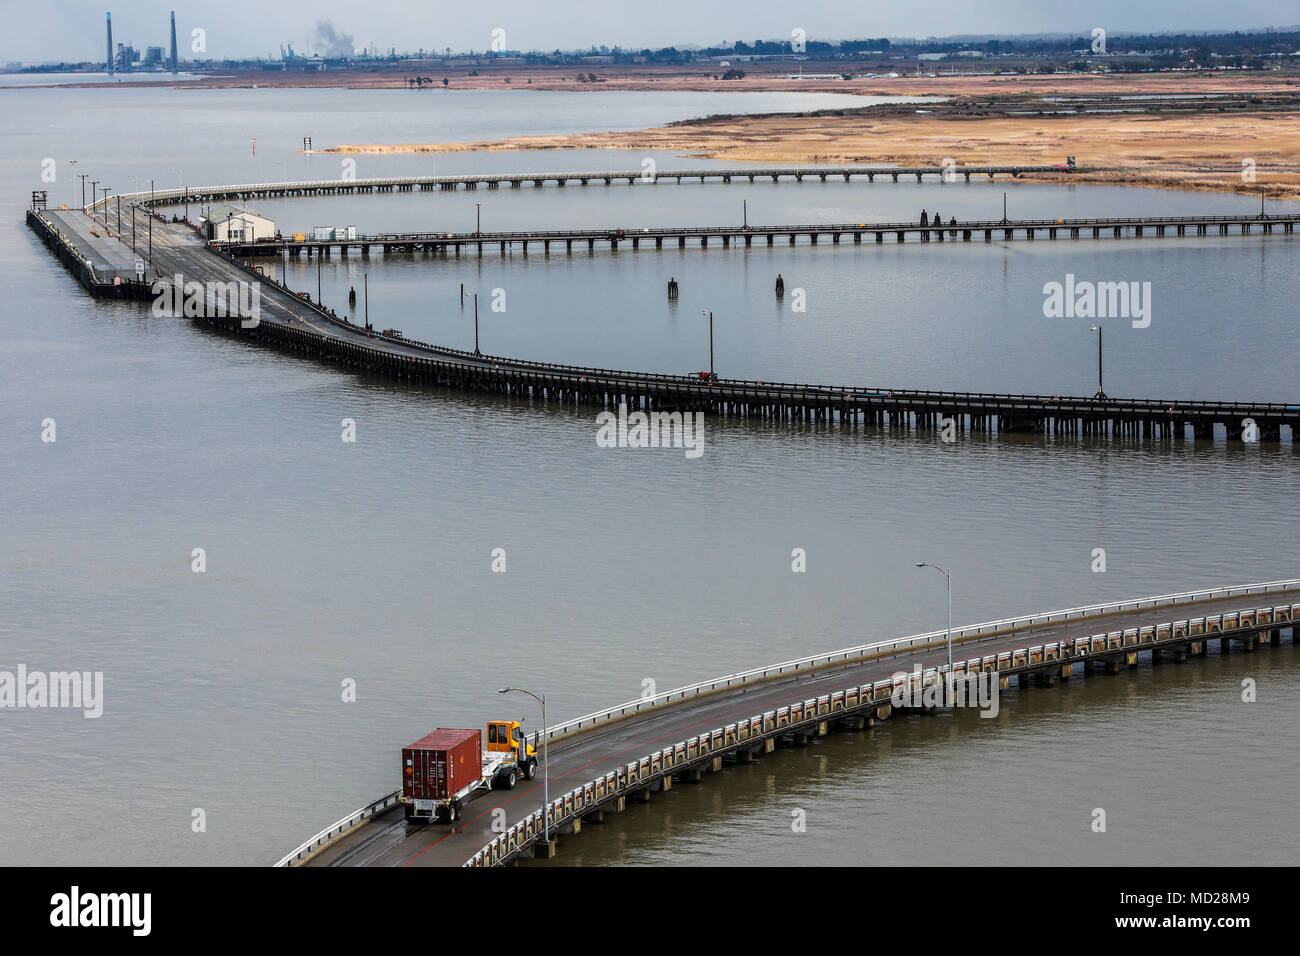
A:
(126, 59)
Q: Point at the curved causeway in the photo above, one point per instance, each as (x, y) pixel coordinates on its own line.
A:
(628, 752)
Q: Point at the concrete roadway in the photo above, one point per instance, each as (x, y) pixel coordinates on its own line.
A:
(387, 840)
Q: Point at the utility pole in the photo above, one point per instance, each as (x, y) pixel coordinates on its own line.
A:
(94, 190)
(83, 190)
(546, 766)
(948, 577)
(478, 219)
(318, 299)
(366, 293)
(476, 351)
(1101, 393)
(710, 315)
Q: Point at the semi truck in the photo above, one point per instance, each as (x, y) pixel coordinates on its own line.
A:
(443, 770)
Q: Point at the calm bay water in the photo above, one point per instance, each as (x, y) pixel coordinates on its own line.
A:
(371, 561)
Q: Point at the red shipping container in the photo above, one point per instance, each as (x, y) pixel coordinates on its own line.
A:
(442, 764)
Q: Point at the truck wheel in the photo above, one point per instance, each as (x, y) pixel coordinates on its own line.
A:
(530, 769)
(511, 779)
(410, 815)
(452, 813)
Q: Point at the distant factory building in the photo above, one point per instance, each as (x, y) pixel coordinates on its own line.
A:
(229, 223)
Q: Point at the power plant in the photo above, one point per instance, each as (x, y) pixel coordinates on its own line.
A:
(126, 58)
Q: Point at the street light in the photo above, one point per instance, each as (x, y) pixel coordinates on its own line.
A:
(710, 315)
(73, 164)
(546, 766)
(478, 219)
(181, 182)
(948, 578)
(1100, 394)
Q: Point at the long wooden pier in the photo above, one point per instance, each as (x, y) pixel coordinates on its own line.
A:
(330, 338)
(440, 243)
(293, 322)
(389, 184)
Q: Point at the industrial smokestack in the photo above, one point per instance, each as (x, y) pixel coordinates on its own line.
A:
(109, 64)
(173, 41)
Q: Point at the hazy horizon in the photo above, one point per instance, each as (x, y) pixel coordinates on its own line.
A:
(73, 30)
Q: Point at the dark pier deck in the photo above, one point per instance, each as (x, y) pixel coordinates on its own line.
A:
(1132, 227)
(290, 321)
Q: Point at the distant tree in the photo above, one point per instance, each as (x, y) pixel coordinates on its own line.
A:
(734, 75)
(444, 81)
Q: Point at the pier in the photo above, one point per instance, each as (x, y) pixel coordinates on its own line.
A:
(293, 322)
(701, 237)
(399, 184)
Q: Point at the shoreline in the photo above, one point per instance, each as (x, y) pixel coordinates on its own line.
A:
(1216, 152)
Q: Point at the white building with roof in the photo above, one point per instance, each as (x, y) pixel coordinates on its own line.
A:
(228, 223)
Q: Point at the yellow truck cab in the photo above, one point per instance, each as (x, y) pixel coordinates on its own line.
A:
(507, 736)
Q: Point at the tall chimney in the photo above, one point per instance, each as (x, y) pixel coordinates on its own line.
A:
(109, 64)
(173, 41)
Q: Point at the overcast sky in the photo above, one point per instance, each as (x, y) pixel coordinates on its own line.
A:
(37, 30)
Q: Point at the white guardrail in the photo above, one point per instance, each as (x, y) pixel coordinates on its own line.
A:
(969, 633)
(337, 829)
(639, 772)
(885, 648)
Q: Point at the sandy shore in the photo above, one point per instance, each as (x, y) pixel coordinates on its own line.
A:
(1201, 151)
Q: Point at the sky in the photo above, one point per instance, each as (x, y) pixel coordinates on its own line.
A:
(42, 30)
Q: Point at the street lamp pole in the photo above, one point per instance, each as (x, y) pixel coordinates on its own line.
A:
(710, 315)
(947, 577)
(478, 219)
(476, 351)
(1100, 391)
(546, 765)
